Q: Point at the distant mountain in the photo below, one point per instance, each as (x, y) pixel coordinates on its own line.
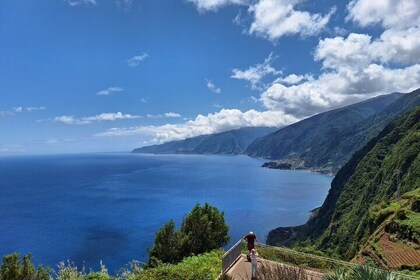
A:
(326, 141)
(229, 142)
(372, 210)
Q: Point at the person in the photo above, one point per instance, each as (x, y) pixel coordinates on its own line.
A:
(250, 239)
(253, 256)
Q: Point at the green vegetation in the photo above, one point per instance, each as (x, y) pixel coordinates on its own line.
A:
(203, 267)
(326, 141)
(375, 193)
(203, 230)
(14, 268)
(288, 256)
(361, 273)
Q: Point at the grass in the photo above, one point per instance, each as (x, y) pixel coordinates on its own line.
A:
(293, 258)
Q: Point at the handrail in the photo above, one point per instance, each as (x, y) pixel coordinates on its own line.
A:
(231, 256)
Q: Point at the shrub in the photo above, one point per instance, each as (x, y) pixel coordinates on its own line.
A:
(68, 271)
(202, 267)
(361, 273)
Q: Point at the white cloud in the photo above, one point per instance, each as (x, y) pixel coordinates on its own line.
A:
(397, 14)
(80, 2)
(256, 73)
(11, 149)
(224, 120)
(211, 86)
(54, 141)
(20, 109)
(135, 60)
(293, 79)
(69, 119)
(214, 5)
(125, 5)
(109, 91)
(165, 115)
(32, 109)
(143, 100)
(276, 18)
(353, 70)
(172, 115)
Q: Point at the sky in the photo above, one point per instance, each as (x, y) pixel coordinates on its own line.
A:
(82, 76)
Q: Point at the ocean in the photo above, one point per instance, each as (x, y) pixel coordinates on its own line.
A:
(91, 207)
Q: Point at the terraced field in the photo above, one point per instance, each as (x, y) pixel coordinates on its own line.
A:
(398, 253)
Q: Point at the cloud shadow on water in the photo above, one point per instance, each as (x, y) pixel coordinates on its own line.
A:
(100, 242)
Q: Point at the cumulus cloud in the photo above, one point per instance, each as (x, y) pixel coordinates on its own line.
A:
(224, 120)
(80, 2)
(109, 91)
(389, 13)
(104, 117)
(277, 18)
(255, 74)
(214, 5)
(293, 79)
(353, 70)
(211, 86)
(358, 66)
(135, 60)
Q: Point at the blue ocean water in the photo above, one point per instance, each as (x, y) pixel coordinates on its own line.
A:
(93, 207)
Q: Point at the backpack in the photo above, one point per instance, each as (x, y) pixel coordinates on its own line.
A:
(248, 257)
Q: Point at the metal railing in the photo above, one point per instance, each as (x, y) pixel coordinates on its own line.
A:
(234, 253)
(231, 256)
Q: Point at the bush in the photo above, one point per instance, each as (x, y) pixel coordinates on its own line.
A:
(203, 267)
(12, 268)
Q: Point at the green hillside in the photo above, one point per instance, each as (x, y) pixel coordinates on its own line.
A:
(374, 198)
(326, 141)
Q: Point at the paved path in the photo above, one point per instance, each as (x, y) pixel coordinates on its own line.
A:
(241, 270)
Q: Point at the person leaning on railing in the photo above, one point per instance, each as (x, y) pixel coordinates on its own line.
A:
(250, 238)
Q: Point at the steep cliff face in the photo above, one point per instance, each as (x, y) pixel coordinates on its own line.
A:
(326, 141)
(375, 195)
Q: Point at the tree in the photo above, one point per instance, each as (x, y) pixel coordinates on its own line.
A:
(13, 269)
(203, 230)
(167, 245)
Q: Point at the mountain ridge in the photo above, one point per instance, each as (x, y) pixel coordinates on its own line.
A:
(326, 141)
(232, 142)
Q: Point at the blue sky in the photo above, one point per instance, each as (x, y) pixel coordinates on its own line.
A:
(96, 75)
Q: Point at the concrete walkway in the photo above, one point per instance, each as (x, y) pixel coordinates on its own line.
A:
(241, 270)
